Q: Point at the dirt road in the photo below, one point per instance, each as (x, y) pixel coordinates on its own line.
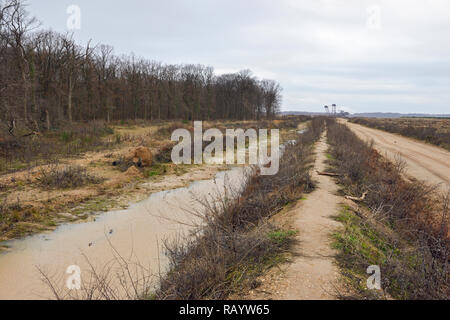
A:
(424, 161)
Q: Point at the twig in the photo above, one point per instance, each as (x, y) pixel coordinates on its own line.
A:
(356, 198)
(328, 174)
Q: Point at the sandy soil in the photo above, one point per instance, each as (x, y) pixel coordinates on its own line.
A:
(424, 161)
(311, 274)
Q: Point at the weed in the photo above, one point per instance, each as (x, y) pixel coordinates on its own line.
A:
(281, 236)
(156, 170)
(66, 177)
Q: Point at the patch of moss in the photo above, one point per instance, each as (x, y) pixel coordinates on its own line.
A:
(156, 170)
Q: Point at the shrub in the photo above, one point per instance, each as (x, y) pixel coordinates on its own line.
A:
(409, 208)
(66, 177)
(23, 151)
(164, 154)
(234, 242)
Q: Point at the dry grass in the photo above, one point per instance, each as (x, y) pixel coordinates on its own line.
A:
(235, 243)
(232, 245)
(416, 266)
(24, 160)
(434, 131)
(56, 176)
(23, 151)
(165, 132)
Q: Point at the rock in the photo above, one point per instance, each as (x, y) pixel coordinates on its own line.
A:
(140, 156)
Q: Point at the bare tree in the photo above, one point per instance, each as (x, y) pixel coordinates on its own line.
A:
(272, 97)
(18, 24)
(73, 56)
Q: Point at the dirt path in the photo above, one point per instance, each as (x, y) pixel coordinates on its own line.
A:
(424, 161)
(312, 274)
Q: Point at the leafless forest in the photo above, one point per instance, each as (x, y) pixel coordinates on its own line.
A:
(46, 78)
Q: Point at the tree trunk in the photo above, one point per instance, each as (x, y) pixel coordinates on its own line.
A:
(151, 108)
(69, 102)
(47, 118)
(25, 96)
(25, 103)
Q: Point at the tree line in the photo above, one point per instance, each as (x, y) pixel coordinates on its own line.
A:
(47, 78)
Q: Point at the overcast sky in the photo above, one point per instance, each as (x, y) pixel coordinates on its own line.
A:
(380, 55)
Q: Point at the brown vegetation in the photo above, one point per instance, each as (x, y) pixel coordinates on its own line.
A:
(235, 243)
(29, 205)
(19, 152)
(56, 176)
(140, 156)
(414, 255)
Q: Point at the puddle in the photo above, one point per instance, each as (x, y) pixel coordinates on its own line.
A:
(136, 233)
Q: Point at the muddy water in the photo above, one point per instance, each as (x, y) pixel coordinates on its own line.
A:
(136, 233)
